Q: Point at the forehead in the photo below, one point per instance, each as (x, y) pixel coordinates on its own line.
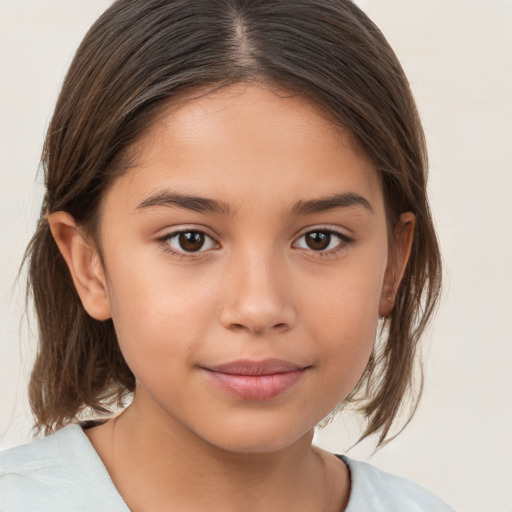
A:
(247, 141)
(194, 112)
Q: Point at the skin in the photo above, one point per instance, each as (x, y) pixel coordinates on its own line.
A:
(255, 290)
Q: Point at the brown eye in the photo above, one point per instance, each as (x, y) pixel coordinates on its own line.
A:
(322, 240)
(189, 242)
(317, 240)
(192, 241)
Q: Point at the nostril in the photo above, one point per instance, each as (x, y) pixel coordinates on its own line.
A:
(282, 326)
(257, 317)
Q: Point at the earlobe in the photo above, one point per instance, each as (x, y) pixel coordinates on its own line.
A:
(397, 262)
(84, 264)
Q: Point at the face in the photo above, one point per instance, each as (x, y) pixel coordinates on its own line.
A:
(245, 262)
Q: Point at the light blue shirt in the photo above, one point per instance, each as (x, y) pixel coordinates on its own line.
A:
(63, 472)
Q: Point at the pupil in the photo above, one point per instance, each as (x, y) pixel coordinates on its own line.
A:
(318, 240)
(191, 241)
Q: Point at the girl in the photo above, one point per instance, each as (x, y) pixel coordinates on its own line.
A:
(235, 194)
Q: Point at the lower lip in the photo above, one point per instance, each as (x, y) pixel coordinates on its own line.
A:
(255, 387)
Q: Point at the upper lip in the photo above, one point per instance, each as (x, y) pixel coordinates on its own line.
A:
(248, 367)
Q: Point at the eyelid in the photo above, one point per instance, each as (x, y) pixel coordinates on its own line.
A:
(176, 231)
(344, 240)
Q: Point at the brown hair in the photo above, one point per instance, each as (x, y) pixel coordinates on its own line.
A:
(140, 55)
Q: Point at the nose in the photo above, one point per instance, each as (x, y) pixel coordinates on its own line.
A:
(257, 295)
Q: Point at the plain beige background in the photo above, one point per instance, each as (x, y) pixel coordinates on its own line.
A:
(458, 56)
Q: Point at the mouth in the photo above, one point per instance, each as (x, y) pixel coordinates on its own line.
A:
(255, 380)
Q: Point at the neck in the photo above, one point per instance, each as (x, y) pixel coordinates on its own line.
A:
(158, 464)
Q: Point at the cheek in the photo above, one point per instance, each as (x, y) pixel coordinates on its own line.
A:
(343, 317)
(157, 316)
(346, 299)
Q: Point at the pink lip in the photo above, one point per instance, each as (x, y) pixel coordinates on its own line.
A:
(255, 380)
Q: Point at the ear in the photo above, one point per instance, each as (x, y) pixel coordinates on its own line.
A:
(400, 251)
(84, 263)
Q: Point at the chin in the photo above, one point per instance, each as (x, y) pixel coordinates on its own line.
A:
(254, 446)
(260, 438)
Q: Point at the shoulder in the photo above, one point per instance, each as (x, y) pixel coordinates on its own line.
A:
(374, 490)
(59, 472)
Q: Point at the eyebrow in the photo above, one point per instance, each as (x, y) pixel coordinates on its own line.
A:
(205, 205)
(345, 200)
(194, 203)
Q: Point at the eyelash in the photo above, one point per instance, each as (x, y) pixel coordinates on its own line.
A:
(167, 240)
(343, 242)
